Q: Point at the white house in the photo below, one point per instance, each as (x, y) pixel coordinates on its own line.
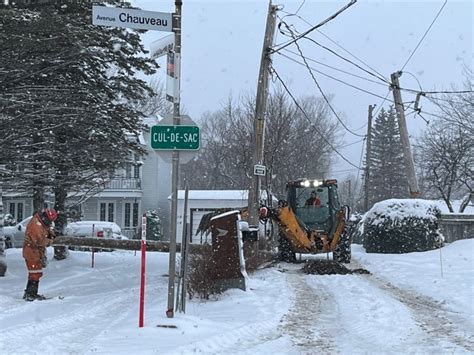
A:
(201, 202)
(143, 184)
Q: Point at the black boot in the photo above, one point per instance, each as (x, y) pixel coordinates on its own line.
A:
(30, 293)
(34, 287)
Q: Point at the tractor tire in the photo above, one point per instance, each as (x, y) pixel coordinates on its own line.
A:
(342, 252)
(285, 253)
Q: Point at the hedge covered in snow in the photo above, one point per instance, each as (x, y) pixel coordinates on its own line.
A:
(402, 226)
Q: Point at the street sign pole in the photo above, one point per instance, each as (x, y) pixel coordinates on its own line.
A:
(175, 163)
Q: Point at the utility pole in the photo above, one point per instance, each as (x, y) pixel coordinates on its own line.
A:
(402, 125)
(175, 161)
(367, 158)
(260, 109)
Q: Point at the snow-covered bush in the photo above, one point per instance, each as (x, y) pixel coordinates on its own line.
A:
(402, 226)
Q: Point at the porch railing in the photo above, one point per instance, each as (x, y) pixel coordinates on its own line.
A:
(124, 184)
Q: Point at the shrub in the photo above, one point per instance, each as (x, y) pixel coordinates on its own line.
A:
(402, 226)
(201, 281)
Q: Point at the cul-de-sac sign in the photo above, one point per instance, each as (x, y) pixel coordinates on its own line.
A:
(132, 18)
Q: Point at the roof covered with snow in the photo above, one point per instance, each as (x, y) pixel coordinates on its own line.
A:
(214, 194)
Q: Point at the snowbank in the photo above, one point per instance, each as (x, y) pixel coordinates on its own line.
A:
(445, 274)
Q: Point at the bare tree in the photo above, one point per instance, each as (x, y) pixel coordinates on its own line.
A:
(154, 103)
(446, 151)
(447, 160)
(293, 144)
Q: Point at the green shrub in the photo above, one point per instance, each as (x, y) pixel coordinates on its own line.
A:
(402, 226)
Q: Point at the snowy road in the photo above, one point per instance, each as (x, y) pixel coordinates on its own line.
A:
(397, 309)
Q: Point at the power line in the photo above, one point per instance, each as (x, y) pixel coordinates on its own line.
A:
(424, 35)
(336, 79)
(299, 8)
(353, 55)
(309, 120)
(337, 69)
(349, 144)
(347, 60)
(330, 18)
(333, 41)
(324, 95)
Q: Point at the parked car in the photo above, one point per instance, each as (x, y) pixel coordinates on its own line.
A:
(99, 229)
(14, 235)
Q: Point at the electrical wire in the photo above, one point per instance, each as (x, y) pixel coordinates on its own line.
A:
(309, 120)
(334, 78)
(349, 144)
(299, 8)
(324, 95)
(333, 41)
(424, 35)
(330, 18)
(353, 55)
(347, 60)
(337, 69)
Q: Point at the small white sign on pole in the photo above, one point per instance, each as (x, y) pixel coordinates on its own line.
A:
(162, 46)
(260, 170)
(172, 73)
(132, 18)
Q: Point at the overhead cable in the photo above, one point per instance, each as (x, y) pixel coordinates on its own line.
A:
(331, 40)
(337, 69)
(424, 35)
(330, 18)
(309, 120)
(334, 78)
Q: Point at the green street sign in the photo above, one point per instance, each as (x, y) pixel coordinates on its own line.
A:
(175, 137)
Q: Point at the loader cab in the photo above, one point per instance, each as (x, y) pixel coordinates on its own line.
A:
(318, 216)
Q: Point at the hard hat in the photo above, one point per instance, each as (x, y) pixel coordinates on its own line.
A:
(51, 214)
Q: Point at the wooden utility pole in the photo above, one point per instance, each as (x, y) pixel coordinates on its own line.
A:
(367, 159)
(260, 109)
(402, 125)
(175, 162)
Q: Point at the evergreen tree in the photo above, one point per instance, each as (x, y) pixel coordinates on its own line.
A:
(387, 169)
(66, 122)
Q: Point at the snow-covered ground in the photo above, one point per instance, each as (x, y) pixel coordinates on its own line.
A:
(410, 304)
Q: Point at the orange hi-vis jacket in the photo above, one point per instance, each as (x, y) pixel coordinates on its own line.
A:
(34, 246)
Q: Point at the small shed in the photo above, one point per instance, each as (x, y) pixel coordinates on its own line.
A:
(201, 202)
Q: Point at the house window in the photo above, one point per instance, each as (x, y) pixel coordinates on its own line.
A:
(107, 211)
(136, 171)
(135, 214)
(131, 214)
(16, 209)
(128, 170)
(127, 215)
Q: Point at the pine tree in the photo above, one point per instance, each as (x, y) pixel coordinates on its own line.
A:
(387, 175)
(66, 122)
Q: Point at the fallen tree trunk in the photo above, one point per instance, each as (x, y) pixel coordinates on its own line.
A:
(127, 244)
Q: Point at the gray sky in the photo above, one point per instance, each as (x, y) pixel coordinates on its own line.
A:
(222, 43)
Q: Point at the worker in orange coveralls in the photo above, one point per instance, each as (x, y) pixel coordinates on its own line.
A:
(38, 236)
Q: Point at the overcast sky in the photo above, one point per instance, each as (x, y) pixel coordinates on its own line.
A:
(222, 43)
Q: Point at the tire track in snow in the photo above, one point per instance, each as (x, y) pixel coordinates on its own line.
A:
(437, 322)
(309, 311)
